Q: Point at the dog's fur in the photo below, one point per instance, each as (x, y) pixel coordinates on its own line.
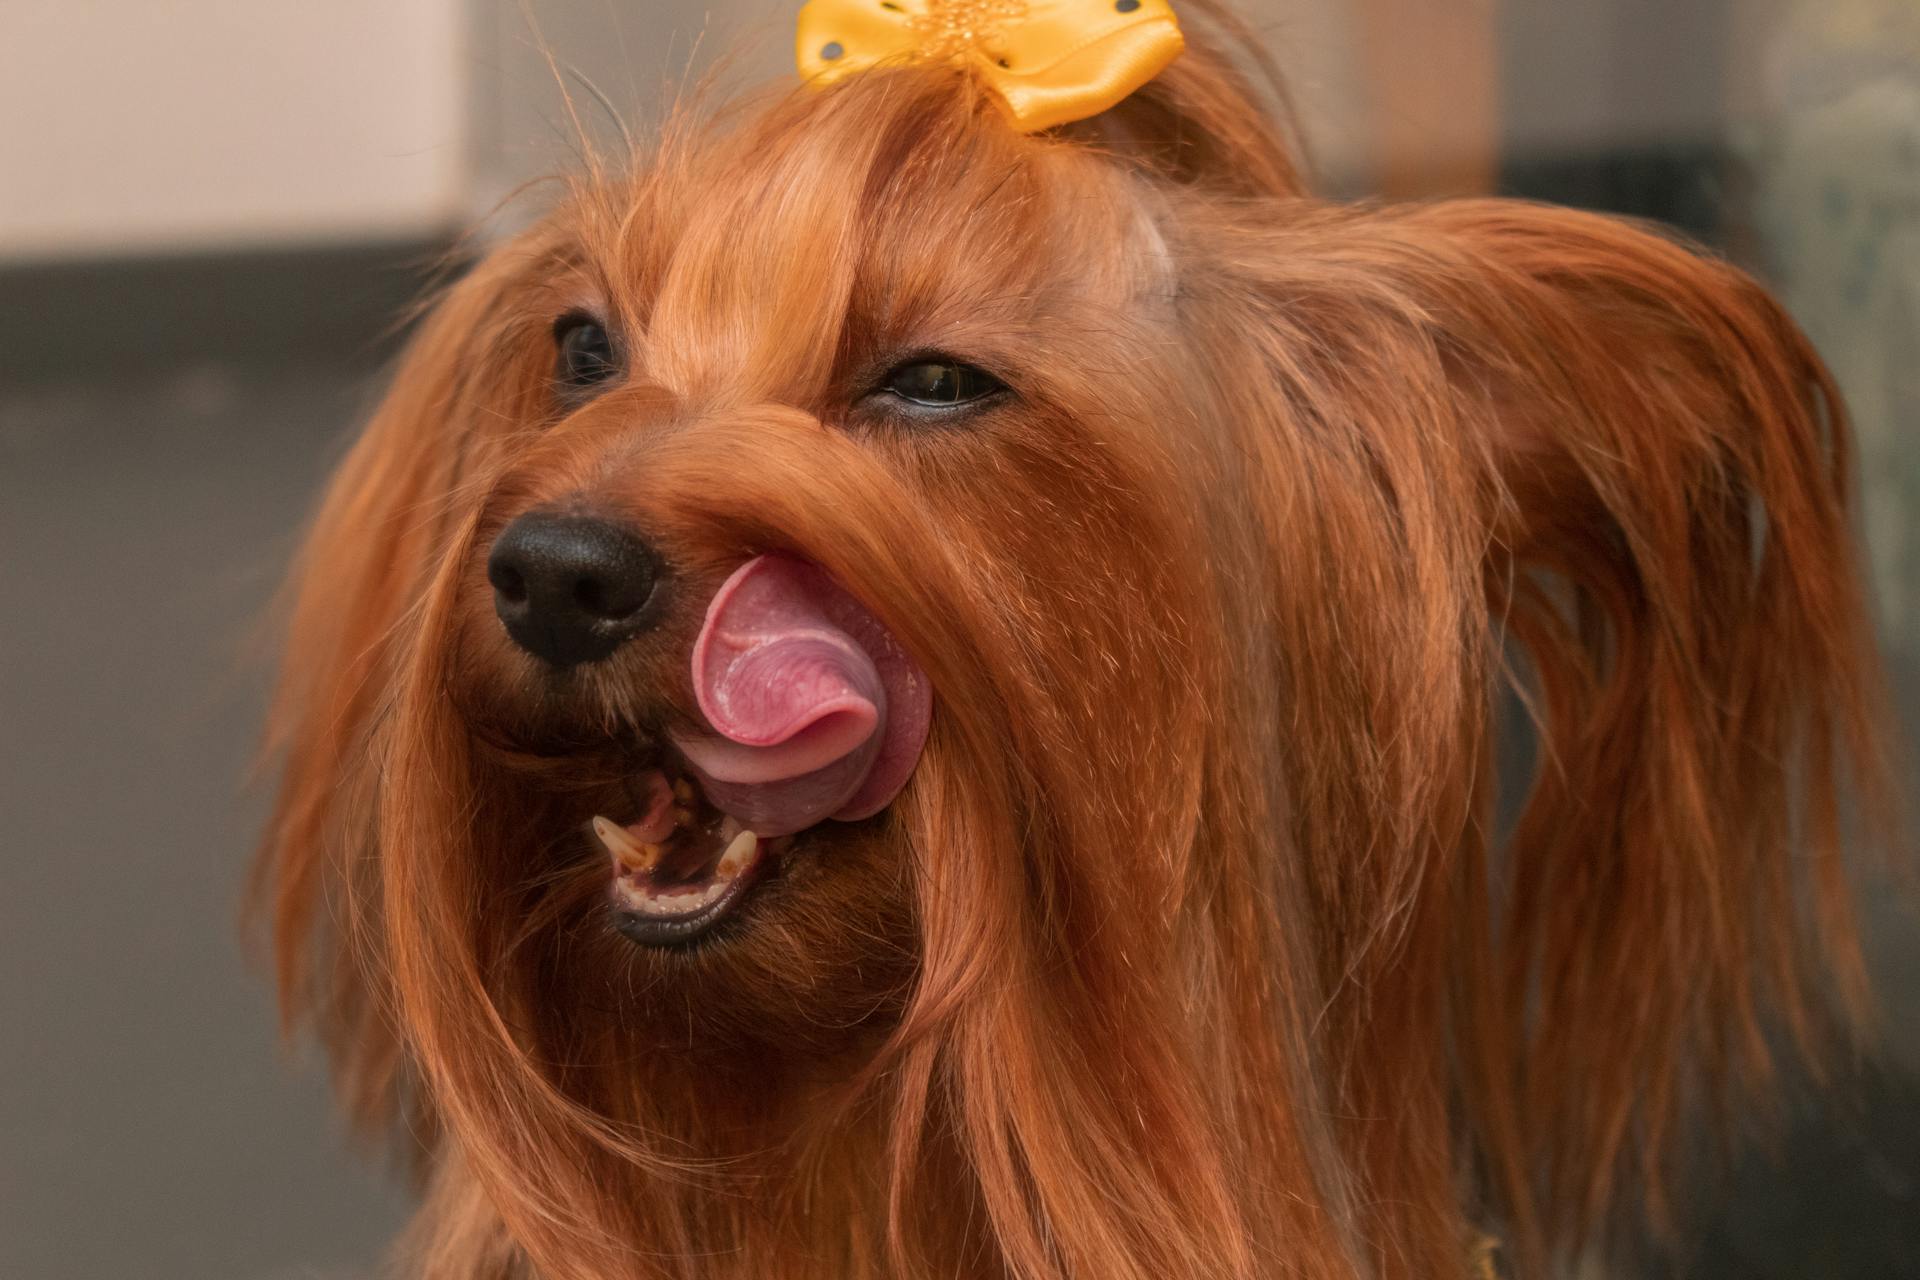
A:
(1194, 948)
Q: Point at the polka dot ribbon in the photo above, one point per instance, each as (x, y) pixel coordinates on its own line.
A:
(1047, 62)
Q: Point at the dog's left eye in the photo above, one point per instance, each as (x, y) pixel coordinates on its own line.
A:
(940, 383)
(587, 357)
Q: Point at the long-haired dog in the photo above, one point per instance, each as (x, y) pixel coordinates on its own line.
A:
(887, 695)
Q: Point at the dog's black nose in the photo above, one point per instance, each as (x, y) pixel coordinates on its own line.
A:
(570, 588)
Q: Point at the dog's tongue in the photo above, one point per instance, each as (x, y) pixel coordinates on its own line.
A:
(813, 709)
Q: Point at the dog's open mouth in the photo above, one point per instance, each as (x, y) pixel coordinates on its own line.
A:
(812, 713)
(682, 866)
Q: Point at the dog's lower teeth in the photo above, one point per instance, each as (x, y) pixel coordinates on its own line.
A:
(649, 902)
(739, 853)
(639, 868)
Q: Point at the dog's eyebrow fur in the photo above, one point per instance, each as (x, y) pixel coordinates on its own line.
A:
(883, 209)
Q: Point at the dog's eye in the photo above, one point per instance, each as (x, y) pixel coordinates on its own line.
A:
(586, 356)
(940, 383)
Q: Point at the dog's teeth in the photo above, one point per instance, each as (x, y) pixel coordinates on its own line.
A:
(628, 852)
(738, 854)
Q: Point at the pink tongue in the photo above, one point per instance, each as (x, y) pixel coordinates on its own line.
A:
(815, 711)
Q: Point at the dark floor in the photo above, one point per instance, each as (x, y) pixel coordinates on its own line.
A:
(151, 1125)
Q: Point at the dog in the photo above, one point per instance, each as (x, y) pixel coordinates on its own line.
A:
(893, 694)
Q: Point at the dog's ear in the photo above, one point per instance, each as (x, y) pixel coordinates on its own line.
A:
(1506, 440)
(1202, 120)
(1672, 569)
(359, 574)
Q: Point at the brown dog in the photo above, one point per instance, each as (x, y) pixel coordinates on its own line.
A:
(1023, 615)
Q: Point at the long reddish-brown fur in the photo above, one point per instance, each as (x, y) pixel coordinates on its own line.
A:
(1196, 947)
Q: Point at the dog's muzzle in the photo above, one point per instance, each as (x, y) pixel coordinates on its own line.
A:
(809, 710)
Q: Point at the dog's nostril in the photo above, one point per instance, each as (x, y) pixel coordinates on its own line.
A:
(571, 588)
(591, 594)
(507, 583)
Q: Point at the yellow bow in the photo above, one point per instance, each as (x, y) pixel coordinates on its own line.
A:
(1047, 61)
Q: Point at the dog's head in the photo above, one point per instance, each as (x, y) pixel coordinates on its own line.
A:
(884, 682)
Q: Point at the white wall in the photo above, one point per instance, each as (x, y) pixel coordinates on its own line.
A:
(135, 126)
(142, 126)
(138, 126)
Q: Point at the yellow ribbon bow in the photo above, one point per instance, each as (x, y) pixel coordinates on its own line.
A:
(1047, 61)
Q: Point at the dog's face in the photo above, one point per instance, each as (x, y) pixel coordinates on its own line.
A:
(821, 393)
(890, 696)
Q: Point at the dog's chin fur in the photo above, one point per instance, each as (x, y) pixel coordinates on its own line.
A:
(1188, 950)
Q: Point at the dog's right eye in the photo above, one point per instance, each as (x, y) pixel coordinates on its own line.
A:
(587, 357)
(940, 383)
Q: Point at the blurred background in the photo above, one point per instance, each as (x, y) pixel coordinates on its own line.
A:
(213, 214)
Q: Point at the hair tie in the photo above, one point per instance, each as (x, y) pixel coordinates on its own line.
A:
(1047, 62)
